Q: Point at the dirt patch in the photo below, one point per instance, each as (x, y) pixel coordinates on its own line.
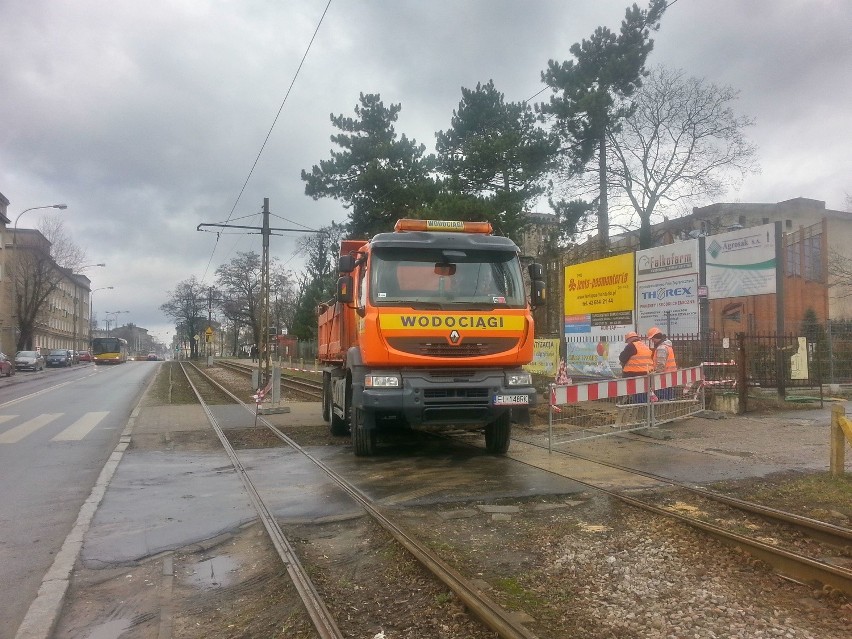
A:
(195, 440)
(247, 438)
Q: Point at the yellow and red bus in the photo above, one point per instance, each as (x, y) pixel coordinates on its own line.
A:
(109, 350)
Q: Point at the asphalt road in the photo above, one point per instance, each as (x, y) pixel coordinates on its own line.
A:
(57, 429)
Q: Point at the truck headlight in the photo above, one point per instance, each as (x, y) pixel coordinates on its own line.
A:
(519, 379)
(381, 381)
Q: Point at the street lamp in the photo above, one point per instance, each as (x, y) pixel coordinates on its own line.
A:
(116, 319)
(102, 288)
(15, 304)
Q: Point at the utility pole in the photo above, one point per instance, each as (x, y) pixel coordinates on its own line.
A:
(265, 231)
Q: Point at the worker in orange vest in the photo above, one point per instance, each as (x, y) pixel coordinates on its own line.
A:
(663, 358)
(635, 361)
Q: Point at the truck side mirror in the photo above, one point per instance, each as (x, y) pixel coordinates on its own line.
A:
(346, 264)
(539, 293)
(536, 272)
(344, 289)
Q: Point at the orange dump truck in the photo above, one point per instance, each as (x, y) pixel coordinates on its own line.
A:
(429, 330)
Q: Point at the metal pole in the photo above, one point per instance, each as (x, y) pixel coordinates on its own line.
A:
(264, 289)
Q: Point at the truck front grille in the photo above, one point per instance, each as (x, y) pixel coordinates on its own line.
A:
(463, 393)
(439, 347)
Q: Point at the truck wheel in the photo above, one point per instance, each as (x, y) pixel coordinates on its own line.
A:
(326, 398)
(498, 434)
(363, 440)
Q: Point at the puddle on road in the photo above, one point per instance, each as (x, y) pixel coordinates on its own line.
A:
(110, 629)
(216, 572)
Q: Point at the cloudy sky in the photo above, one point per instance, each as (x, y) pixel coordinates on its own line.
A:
(147, 117)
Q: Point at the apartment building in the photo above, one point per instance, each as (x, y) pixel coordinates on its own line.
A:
(62, 319)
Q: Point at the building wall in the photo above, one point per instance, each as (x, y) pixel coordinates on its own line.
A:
(64, 318)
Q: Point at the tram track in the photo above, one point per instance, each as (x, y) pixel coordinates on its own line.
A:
(478, 605)
(311, 389)
(799, 548)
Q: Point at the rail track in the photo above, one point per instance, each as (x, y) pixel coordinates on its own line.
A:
(799, 548)
(312, 389)
(478, 605)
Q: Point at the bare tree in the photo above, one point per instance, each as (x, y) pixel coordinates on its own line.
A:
(187, 306)
(43, 258)
(64, 251)
(682, 142)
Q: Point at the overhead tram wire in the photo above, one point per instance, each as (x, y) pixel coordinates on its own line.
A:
(269, 133)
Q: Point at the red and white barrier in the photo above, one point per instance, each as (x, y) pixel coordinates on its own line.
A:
(680, 377)
(589, 391)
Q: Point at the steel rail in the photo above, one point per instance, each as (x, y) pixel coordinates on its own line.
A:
(790, 564)
(318, 612)
(820, 530)
(480, 605)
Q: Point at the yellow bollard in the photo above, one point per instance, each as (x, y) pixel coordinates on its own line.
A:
(841, 432)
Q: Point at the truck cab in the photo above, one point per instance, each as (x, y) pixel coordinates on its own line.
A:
(429, 330)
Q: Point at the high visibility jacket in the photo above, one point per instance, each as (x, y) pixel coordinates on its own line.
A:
(641, 363)
(664, 358)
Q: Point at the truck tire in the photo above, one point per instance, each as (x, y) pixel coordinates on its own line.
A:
(363, 440)
(326, 398)
(498, 434)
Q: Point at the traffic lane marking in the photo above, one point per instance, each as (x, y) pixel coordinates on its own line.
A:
(82, 427)
(16, 434)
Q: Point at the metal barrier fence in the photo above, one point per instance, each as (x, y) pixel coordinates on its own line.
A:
(601, 409)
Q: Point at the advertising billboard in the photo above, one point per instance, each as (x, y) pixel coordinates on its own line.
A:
(741, 262)
(599, 309)
(667, 288)
(545, 357)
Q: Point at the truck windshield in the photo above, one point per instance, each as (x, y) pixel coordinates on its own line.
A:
(439, 279)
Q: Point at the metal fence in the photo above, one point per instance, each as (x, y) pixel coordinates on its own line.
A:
(599, 409)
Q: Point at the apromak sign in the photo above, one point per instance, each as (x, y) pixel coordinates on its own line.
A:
(741, 262)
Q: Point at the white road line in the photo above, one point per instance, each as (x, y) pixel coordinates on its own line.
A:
(6, 418)
(79, 429)
(17, 433)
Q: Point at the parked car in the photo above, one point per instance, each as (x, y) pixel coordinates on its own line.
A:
(58, 357)
(7, 367)
(84, 356)
(29, 360)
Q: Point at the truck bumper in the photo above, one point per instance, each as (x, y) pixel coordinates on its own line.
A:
(449, 398)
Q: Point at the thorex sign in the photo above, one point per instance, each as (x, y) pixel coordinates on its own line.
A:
(667, 288)
(662, 293)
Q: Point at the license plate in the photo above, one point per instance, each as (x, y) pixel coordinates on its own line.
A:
(511, 400)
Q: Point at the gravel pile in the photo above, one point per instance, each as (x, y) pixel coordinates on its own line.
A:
(604, 571)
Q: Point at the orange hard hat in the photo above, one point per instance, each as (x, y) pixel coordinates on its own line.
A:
(654, 331)
(631, 335)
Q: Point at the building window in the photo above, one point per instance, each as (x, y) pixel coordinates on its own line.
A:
(813, 258)
(788, 224)
(794, 261)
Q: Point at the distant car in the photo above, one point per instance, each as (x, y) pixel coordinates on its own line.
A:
(152, 357)
(7, 367)
(58, 358)
(84, 356)
(29, 360)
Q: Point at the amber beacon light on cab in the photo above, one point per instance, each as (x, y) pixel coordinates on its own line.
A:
(429, 329)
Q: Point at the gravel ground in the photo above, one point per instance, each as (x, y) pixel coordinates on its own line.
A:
(584, 567)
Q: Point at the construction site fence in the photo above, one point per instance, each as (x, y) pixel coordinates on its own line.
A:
(590, 410)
